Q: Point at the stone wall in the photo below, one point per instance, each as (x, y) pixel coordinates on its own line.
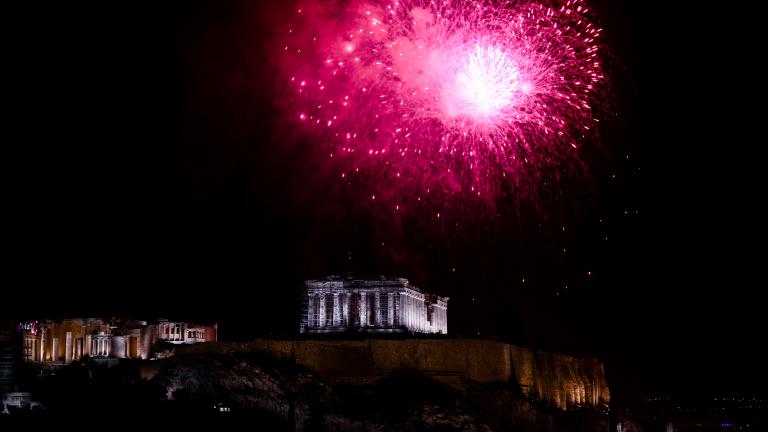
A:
(564, 381)
(7, 359)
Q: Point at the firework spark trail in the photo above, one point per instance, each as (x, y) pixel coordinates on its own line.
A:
(458, 96)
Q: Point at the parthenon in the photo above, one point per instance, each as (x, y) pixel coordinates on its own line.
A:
(374, 304)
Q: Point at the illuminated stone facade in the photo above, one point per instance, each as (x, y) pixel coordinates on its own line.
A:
(383, 305)
(68, 340)
(565, 382)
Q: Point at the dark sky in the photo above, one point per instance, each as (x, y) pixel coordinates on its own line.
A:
(148, 177)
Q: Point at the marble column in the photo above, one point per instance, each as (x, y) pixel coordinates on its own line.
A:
(344, 309)
(68, 347)
(321, 320)
(377, 310)
(311, 312)
(396, 309)
(406, 311)
(363, 309)
(336, 310)
(390, 310)
(348, 313)
(42, 345)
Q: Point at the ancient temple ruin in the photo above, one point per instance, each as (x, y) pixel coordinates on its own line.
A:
(67, 340)
(372, 304)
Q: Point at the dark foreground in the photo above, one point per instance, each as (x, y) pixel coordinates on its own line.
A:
(266, 394)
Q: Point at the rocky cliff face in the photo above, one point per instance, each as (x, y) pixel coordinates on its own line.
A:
(400, 401)
(235, 381)
(563, 381)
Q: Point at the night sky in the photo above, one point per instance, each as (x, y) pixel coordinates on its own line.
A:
(150, 177)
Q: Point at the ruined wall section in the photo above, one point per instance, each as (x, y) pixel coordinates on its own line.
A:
(564, 381)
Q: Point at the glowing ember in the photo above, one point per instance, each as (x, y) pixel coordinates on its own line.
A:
(460, 97)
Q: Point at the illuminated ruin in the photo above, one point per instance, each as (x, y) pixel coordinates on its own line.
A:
(67, 340)
(379, 305)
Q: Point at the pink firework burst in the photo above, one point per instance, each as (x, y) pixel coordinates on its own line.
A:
(467, 98)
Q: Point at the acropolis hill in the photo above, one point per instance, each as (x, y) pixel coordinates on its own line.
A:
(563, 381)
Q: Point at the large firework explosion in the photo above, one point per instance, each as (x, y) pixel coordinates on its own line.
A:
(416, 99)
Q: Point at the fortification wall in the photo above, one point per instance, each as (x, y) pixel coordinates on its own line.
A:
(565, 381)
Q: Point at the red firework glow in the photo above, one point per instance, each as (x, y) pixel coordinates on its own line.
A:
(457, 97)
